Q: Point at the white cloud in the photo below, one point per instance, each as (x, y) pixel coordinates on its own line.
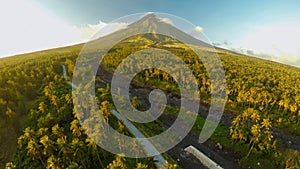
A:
(279, 40)
(26, 27)
(90, 31)
(167, 20)
(197, 31)
(287, 59)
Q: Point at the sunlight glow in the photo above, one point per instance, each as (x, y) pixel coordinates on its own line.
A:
(30, 28)
(281, 40)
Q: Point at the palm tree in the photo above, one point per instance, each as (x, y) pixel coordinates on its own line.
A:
(78, 147)
(52, 163)
(151, 163)
(68, 98)
(141, 166)
(58, 131)
(134, 102)
(169, 166)
(10, 113)
(93, 148)
(33, 150)
(63, 147)
(42, 107)
(54, 100)
(119, 162)
(105, 110)
(75, 128)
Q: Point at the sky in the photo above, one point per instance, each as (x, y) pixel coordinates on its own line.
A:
(268, 29)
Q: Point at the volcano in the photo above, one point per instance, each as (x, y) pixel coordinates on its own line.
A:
(150, 24)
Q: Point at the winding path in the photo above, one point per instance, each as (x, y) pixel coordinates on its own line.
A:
(148, 146)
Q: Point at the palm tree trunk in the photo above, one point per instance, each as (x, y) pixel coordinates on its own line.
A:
(250, 150)
(99, 158)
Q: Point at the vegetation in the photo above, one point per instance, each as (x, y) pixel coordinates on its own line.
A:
(269, 87)
(22, 81)
(262, 90)
(55, 139)
(248, 127)
(261, 94)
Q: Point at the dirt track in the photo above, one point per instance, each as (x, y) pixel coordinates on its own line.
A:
(185, 160)
(223, 158)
